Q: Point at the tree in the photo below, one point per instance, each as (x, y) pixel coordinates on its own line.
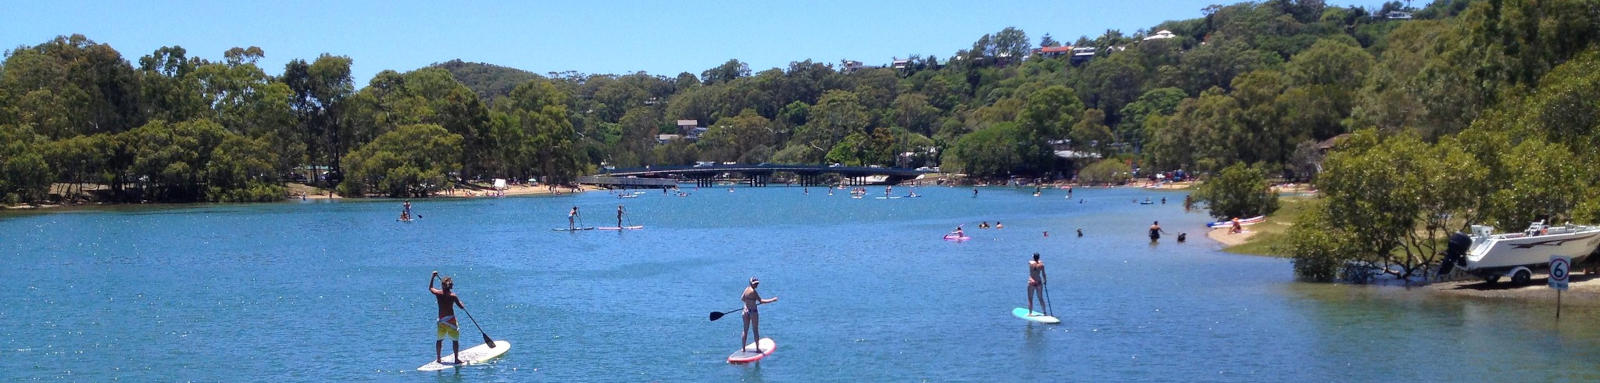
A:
(243, 169)
(171, 159)
(728, 71)
(987, 153)
(1105, 172)
(743, 138)
(1159, 101)
(24, 175)
(320, 88)
(1239, 191)
(409, 161)
(838, 114)
(550, 146)
(1047, 116)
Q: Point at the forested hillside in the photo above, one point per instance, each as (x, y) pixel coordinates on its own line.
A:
(1251, 83)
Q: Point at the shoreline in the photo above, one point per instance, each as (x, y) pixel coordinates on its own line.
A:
(303, 192)
(1584, 288)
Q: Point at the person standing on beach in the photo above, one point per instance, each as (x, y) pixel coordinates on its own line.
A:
(447, 301)
(1036, 282)
(619, 216)
(752, 318)
(572, 219)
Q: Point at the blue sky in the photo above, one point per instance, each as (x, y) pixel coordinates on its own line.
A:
(659, 37)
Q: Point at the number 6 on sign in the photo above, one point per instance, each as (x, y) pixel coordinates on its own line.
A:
(1559, 268)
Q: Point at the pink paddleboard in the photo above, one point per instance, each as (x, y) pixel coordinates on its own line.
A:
(748, 353)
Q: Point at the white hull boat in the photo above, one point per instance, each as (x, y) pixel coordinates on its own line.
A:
(1491, 255)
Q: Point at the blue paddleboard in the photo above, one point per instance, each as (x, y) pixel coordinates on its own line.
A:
(1034, 316)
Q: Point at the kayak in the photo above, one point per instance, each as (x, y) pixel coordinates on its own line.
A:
(1242, 222)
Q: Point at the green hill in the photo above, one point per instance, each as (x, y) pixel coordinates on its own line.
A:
(489, 81)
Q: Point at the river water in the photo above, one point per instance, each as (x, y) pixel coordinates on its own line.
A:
(334, 291)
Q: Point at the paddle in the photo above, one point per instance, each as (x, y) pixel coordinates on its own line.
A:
(1048, 303)
(718, 315)
(486, 339)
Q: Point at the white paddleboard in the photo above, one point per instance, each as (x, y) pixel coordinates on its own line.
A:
(748, 353)
(473, 356)
(1034, 316)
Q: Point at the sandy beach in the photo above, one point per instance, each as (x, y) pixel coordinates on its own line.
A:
(311, 193)
(1583, 289)
(1221, 235)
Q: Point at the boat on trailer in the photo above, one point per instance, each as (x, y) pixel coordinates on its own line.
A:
(1517, 255)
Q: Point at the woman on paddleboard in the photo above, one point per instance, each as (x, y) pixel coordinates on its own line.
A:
(752, 318)
(1036, 281)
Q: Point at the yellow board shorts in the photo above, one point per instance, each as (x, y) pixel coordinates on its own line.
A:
(447, 327)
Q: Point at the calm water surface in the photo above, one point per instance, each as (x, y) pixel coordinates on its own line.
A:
(334, 291)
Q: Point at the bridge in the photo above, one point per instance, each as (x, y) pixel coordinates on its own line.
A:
(706, 175)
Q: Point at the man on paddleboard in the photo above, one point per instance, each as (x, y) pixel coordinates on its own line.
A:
(572, 217)
(405, 214)
(447, 317)
(752, 318)
(619, 217)
(1036, 281)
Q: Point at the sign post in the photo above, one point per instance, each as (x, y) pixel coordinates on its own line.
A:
(1560, 268)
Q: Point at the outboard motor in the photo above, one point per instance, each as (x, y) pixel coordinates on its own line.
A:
(1455, 252)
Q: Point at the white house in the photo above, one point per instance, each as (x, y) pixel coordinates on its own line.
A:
(1160, 35)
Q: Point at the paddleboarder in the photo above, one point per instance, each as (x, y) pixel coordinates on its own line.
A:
(447, 316)
(619, 217)
(752, 318)
(1036, 281)
(405, 212)
(572, 217)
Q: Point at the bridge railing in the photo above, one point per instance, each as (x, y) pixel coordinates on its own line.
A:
(628, 181)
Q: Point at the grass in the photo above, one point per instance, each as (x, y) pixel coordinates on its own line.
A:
(1270, 234)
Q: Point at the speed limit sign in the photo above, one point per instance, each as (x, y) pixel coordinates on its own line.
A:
(1559, 271)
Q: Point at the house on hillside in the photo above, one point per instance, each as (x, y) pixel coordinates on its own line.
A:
(1160, 35)
(694, 133)
(850, 66)
(1081, 54)
(1049, 52)
(900, 63)
(665, 138)
(1397, 15)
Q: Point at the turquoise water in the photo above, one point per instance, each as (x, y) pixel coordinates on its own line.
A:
(334, 291)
